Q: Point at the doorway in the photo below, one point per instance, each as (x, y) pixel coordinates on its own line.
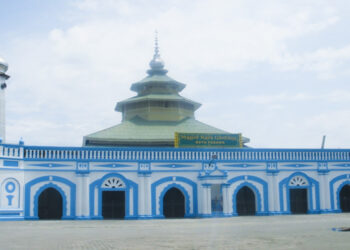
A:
(245, 201)
(298, 200)
(50, 205)
(174, 204)
(113, 204)
(344, 198)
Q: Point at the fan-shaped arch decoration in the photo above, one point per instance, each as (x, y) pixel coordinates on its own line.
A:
(113, 182)
(298, 181)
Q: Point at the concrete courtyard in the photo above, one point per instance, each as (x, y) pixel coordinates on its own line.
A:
(259, 232)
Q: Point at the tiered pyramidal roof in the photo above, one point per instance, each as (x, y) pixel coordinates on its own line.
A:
(152, 117)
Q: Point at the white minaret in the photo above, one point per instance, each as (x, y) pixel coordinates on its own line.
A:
(3, 77)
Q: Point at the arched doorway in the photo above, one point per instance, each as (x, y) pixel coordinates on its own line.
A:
(113, 198)
(298, 195)
(174, 204)
(245, 201)
(50, 205)
(344, 198)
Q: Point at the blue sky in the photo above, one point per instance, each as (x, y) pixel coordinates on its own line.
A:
(276, 71)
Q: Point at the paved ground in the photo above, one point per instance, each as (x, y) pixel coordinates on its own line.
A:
(267, 232)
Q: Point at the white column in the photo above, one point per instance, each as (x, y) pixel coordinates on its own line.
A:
(226, 200)
(271, 192)
(79, 196)
(327, 193)
(276, 197)
(142, 196)
(324, 193)
(204, 200)
(86, 196)
(82, 196)
(208, 205)
(145, 209)
(148, 205)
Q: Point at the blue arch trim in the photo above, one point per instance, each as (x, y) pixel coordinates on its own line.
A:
(64, 199)
(256, 194)
(128, 183)
(178, 179)
(311, 182)
(338, 192)
(28, 199)
(183, 191)
(331, 188)
(264, 196)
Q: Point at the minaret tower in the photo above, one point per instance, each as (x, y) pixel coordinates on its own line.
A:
(3, 77)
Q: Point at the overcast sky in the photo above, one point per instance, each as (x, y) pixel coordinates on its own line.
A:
(276, 71)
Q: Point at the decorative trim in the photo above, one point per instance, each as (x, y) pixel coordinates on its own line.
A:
(49, 165)
(243, 165)
(191, 197)
(174, 165)
(249, 181)
(182, 190)
(311, 197)
(29, 198)
(82, 167)
(129, 185)
(8, 163)
(114, 165)
(345, 180)
(297, 165)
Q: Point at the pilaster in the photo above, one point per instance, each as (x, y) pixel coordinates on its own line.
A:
(226, 199)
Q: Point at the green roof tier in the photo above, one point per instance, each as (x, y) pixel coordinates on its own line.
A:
(156, 97)
(157, 81)
(141, 132)
(154, 115)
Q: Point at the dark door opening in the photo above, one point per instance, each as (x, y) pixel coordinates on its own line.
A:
(113, 204)
(298, 200)
(174, 204)
(245, 201)
(50, 205)
(344, 197)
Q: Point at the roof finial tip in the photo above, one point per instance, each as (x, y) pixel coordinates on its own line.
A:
(156, 63)
(156, 46)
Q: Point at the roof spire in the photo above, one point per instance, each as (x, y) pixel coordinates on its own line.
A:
(157, 64)
(156, 47)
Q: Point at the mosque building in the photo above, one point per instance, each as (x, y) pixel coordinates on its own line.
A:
(161, 162)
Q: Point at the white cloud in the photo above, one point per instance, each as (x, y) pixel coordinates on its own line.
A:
(336, 96)
(69, 79)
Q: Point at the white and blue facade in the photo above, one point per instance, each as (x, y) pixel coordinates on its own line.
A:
(135, 182)
(144, 175)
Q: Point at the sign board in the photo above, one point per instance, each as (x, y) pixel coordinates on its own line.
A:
(203, 140)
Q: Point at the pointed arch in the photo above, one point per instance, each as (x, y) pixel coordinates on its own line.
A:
(187, 187)
(258, 186)
(335, 186)
(33, 189)
(256, 194)
(184, 193)
(45, 188)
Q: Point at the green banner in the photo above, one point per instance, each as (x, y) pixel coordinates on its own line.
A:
(201, 140)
